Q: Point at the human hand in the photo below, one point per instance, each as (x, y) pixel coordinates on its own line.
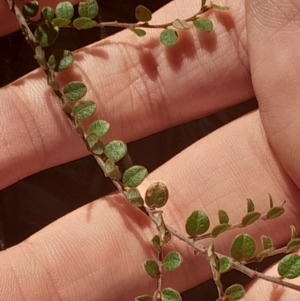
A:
(84, 256)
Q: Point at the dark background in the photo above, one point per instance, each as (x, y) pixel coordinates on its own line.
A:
(33, 203)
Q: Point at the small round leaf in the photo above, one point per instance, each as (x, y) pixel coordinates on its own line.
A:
(293, 245)
(64, 10)
(289, 266)
(151, 267)
(250, 218)
(172, 261)
(169, 37)
(260, 256)
(224, 264)
(139, 32)
(99, 127)
(60, 22)
(46, 33)
(242, 247)
(223, 217)
(275, 212)
(215, 6)
(180, 24)
(60, 60)
(134, 175)
(197, 223)
(84, 109)
(156, 195)
(250, 205)
(75, 90)
(88, 9)
(169, 294)
(143, 298)
(111, 170)
(30, 9)
(47, 13)
(203, 24)
(235, 292)
(84, 23)
(135, 198)
(156, 243)
(95, 144)
(217, 230)
(115, 150)
(266, 242)
(143, 14)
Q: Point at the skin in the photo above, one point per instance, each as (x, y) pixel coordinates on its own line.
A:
(96, 252)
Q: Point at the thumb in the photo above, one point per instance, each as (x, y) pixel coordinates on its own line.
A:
(275, 64)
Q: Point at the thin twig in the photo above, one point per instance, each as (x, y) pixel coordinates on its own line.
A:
(74, 122)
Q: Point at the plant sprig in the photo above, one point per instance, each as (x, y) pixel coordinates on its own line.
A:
(126, 181)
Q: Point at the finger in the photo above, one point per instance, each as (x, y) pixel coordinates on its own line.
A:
(261, 290)
(275, 63)
(140, 87)
(97, 251)
(11, 24)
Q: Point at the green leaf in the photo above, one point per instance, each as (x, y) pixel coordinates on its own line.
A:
(215, 6)
(266, 242)
(242, 247)
(203, 24)
(223, 217)
(156, 242)
(134, 175)
(293, 245)
(84, 23)
(74, 90)
(260, 256)
(165, 235)
(180, 24)
(235, 292)
(88, 9)
(289, 266)
(60, 60)
(294, 233)
(197, 223)
(271, 201)
(60, 22)
(111, 170)
(172, 261)
(250, 218)
(64, 10)
(135, 198)
(151, 267)
(217, 230)
(156, 195)
(250, 206)
(95, 144)
(143, 14)
(47, 13)
(143, 298)
(275, 212)
(30, 9)
(139, 32)
(46, 33)
(224, 264)
(84, 109)
(169, 294)
(169, 37)
(99, 127)
(115, 150)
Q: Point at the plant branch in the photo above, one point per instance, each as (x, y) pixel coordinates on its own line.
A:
(50, 74)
